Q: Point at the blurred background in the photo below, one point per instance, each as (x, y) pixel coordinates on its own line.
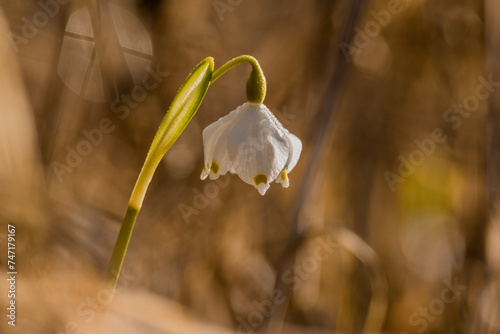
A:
(390, 222)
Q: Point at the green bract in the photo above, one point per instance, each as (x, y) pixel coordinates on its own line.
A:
(183, 107)
(185, 104)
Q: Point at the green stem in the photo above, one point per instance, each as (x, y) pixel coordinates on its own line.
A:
(256, 83)
(115, 265)
(134, 206)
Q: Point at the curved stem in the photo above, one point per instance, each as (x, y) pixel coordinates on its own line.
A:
(232, 63)
(256, 84)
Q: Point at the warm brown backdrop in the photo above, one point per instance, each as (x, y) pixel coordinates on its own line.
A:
(397, 249)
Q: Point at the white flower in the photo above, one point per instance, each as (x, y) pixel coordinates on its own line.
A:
(252, 143)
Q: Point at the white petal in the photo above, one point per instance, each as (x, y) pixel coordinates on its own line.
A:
(294, 143)
(251, 142)
(215, 146)
(294, 153)
(204, 173)
(285, 183)
(257, 145)
(262, 188)
(295, 148)
(283, 179)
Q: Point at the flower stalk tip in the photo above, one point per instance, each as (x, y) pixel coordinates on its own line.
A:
(256, 83)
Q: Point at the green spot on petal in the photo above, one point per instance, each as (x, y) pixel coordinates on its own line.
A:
(283, 175)
(260, 178)
(215, 167)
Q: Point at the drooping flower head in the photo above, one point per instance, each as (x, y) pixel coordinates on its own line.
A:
(252, 143)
